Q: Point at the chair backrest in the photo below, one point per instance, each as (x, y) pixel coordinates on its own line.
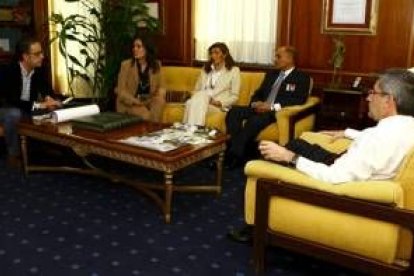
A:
(249, 82)
(180, 78)
(405, 177)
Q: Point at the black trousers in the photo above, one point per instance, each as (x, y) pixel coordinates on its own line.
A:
(244, 124)
(313, 152)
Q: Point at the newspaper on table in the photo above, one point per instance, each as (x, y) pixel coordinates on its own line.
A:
(169, 139)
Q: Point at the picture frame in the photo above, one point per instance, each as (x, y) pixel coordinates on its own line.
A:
(350, 17)
(6, 14)
(4, 45)
(18, 15)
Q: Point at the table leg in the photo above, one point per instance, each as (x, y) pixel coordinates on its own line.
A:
(219, 171)
(23, 147)
(168, 189)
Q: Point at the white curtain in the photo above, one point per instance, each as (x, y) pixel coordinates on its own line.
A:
(59, 76)
(248, 27)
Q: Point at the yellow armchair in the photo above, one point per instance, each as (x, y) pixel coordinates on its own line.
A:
(358, 224)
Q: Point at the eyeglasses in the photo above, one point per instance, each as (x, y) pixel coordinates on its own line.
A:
(37, 54)
(374, 92)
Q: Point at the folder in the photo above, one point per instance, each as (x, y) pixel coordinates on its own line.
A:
(105, 121)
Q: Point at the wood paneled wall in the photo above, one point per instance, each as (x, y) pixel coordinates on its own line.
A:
(392, 46)
(299, 25)
(175, 43)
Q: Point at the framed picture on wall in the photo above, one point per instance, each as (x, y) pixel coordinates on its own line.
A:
(4, 45)
(355, 17)
(6, 14)
(20, 15)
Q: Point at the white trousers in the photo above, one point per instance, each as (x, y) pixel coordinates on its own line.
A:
(197, 108)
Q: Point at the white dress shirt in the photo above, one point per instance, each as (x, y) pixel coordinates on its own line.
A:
(375, 154)
(278, 106)
(212, 78)
(26, 83)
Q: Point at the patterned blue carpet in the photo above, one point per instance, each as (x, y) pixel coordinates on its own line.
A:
(65, 224)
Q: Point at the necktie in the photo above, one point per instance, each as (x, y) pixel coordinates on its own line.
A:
(275, 88)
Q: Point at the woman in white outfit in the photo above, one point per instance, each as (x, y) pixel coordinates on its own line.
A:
(217, 87)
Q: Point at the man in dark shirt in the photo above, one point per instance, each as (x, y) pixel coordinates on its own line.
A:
(25, 88)
(281, 87)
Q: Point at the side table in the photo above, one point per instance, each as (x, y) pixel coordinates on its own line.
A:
(342, 108)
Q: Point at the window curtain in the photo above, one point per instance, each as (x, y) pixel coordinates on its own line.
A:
(248, 27)
(58, 64)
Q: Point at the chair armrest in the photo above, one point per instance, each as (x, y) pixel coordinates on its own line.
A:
(287, 117)
(386, 192)
(325, 141)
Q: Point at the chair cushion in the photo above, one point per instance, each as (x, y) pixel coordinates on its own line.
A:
(217, 120)
(180, 78)
(173, 112)
(366, 237)
(249, 82)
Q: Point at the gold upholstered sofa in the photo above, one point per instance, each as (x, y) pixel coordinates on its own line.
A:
(366, 225)
(291, 121)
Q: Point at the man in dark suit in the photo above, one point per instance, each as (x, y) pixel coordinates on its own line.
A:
(281, 87)
(25, 88)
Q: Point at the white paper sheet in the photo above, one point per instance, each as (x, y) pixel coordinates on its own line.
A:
(5, 44)
(63, 115)
(349, 11)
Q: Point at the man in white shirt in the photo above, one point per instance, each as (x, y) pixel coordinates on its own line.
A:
(375, 152)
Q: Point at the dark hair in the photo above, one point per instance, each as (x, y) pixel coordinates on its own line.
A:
(150, 51)
(228, 60)
(23, 46)
(291, 51)
(399, 83)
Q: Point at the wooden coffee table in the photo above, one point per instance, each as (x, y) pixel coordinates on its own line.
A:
(85, 143)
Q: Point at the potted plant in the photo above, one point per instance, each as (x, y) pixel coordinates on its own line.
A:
(95, 40)
(337, 59)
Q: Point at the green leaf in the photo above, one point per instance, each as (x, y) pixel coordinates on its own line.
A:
(103, 37)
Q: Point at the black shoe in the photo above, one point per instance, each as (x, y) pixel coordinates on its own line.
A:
(233, 163)
(243, 235)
